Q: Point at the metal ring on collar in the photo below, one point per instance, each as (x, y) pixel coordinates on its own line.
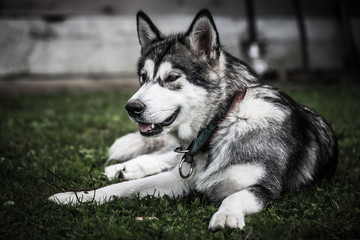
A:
(180, 169)
(181, 150)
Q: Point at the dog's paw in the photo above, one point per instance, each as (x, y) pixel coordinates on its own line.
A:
(70, 198)
(136, 168)
(124, 171)
(112, 172)
(227, 218)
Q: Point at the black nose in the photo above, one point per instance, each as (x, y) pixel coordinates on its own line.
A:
(135, 108)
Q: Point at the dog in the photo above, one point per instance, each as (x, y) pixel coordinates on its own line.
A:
(240, 142)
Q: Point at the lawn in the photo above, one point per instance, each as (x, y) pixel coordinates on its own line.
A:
(71, 133)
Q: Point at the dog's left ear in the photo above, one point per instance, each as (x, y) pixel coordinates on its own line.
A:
(203, 36)
(147, 31)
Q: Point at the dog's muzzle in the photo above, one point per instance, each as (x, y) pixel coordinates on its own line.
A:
(136, 110)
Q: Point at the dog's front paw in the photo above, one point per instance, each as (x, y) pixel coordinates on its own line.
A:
(71, 198)
(136, 168)
(227, 218)
(112, 172)
(124, 171)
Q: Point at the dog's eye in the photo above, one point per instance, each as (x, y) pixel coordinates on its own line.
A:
(172, 78)
(143, 77)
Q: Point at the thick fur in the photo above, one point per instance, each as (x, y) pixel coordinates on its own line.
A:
(267, 144)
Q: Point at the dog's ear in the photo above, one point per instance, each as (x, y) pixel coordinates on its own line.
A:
(147, 31)
(203, 36)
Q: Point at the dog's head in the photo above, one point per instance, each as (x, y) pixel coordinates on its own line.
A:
(180, 77)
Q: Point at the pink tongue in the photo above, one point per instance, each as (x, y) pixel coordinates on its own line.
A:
(144, 127)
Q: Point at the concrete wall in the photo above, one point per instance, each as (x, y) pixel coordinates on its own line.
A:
(107, 45)
(80, 45)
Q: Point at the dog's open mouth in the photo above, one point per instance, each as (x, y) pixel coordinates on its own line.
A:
(152, 129)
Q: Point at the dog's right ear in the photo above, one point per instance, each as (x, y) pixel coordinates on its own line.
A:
(147, 31)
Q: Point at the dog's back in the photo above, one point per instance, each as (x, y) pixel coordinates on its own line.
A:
(309, 141)
(293, 144)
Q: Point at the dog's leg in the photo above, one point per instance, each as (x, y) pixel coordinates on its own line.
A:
(166, 183)
(133, 145)
(143, 166)
(234, 208)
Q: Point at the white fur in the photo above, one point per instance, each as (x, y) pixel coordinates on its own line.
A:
(143, 166)
(161, 102)
(159, 105)
(265, 112)
(148, 68)
(167, 183)
(164, 69)
(127, 147)
(233, 209)
(242, 176)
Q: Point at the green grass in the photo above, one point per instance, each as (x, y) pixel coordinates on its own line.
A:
(72, 133)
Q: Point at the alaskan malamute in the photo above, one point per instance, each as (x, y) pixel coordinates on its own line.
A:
(240, 142)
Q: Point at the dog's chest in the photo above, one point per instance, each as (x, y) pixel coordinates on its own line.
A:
(218, 181)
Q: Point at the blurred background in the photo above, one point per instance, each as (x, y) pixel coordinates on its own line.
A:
(85, 40)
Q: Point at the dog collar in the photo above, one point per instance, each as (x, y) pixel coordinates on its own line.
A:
(206, 134)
